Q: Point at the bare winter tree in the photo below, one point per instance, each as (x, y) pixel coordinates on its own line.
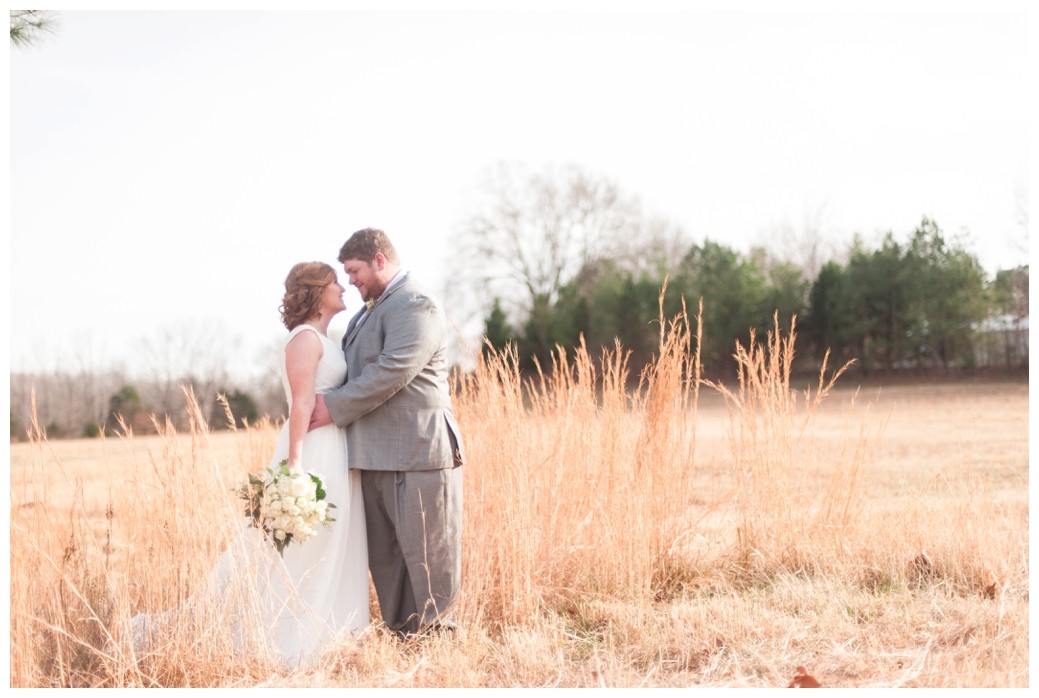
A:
(193, 354)
(67, 403)
(806, 247)
(72, 387)
(653, 246)
(266, 383)
(532, 232)
(92, 379)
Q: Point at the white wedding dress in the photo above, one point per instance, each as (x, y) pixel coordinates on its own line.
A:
(292, 607)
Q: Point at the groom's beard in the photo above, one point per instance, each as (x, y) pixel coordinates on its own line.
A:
(374, 292)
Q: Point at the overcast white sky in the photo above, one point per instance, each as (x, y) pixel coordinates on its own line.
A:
(169, 167)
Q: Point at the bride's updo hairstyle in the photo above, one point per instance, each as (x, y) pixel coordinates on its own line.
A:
(303, 288)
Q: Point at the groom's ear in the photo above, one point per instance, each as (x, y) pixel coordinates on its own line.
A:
(380, 261)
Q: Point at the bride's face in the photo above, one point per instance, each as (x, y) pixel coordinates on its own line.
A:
(332, 299)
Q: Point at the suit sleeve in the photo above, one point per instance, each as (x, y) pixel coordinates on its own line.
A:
(413, 334)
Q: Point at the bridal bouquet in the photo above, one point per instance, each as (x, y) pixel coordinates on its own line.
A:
(286, 506)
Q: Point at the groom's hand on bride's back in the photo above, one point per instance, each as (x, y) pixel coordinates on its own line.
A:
(320, 416)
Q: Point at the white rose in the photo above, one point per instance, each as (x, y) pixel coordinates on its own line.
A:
(301, 486)
(280, 535)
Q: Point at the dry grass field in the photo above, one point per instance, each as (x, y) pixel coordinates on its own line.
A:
(684, 534)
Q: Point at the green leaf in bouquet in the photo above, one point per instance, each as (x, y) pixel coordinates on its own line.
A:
(320, 487)
(283, 467)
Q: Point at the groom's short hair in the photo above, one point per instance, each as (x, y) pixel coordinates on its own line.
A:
(364, 244)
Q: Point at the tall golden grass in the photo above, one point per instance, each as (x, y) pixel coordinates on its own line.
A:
(613, 537)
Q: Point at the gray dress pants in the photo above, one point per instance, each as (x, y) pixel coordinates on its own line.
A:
(414, 521)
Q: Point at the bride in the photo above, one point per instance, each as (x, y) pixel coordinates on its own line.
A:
(296, 606)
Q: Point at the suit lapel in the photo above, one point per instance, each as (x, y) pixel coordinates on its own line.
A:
(352, 327)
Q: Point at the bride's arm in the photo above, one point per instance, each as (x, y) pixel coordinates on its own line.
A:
(301, 358)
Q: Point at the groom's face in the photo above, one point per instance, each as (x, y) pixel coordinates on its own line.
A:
(367, 277)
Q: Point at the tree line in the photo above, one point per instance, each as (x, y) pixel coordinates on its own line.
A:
(62, 404)
(81, 395)
(561, 257)
(564, 256)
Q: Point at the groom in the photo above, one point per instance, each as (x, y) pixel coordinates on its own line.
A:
(402, 436)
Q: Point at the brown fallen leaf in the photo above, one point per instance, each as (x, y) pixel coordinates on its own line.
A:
(802, 679)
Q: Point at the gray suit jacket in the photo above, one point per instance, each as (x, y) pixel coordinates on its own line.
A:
(396, 403)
